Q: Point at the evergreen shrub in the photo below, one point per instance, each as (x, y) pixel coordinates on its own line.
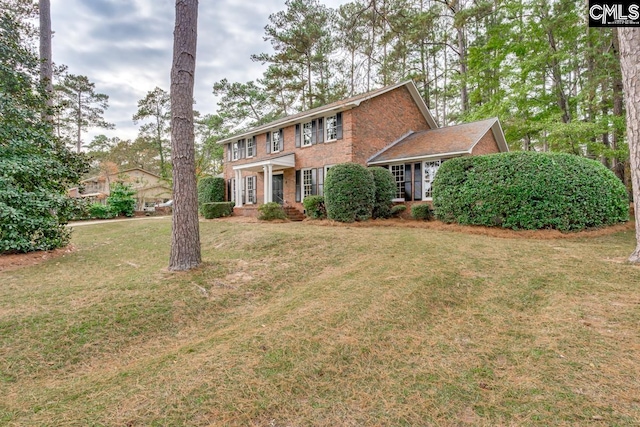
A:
(314, 205)
(397, 210)
(121, 200)
(217, 209)
(349, 192)
(422, 211)
(385, 190)
(100, 211)
(526, 190)
(210, 190)
(270, 211)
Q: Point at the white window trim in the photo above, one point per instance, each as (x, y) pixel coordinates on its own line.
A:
(302, 192)
(302, 144)
(235, 151)
(424, 178)
(247, 147)
(326, 129)
(273, 141)
(233, 189)
(398, 199)
(326, 169)
(254, 181)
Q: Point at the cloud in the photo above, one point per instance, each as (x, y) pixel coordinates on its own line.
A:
(125, 48)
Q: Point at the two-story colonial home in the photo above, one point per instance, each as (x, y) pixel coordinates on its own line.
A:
(286, 160)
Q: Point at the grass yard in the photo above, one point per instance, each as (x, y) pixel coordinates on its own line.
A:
(296, 324)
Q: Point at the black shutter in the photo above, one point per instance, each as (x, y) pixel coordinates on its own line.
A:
(298, 197)
(228, 190)
(407, 182)
(417, 181)
(314, 182)
(320, 131)
(314, 126)
(281, 139)
(298, 135)
(268, 142)
(339, 125)
(320, 181)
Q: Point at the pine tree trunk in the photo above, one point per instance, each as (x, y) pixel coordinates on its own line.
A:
(630, 66)
(185, 235)
(46, 67)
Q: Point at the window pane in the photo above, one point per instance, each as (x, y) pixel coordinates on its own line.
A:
(307, 131)
(332, 128)
(398, 173)
(430, 169)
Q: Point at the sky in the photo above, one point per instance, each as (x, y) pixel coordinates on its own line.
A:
(125, 47)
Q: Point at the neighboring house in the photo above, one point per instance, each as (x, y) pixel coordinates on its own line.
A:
(286, 160)
(150, 188)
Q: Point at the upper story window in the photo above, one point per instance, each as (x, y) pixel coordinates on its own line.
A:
(275, 142)
(235, 150)
(331, 126)
(251, 147)
(307, 134)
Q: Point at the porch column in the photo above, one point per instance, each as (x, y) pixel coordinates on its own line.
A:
(270, 183)
(267, 179)
(238, 188)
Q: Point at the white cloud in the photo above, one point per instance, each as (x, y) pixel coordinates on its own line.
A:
(125, 48)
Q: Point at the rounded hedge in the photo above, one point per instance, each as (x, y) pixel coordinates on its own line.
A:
(349, 192)
(385, 191)
(210, 190)
(527, 190)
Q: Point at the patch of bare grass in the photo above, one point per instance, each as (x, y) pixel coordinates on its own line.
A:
(297, 324)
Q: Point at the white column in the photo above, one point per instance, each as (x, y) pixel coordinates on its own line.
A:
(265, 186)
(238, 188)
(270, 182)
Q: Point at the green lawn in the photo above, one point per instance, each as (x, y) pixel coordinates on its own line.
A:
(296, 324)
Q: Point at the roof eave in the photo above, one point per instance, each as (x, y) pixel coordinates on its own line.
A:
(422, 157)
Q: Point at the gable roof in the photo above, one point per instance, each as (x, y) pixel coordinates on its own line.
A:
(123, 172)
(452, 140)
(337, 106)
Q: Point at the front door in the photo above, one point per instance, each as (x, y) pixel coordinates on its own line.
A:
(277, 182)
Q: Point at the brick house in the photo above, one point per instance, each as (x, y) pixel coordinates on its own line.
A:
(286, 160)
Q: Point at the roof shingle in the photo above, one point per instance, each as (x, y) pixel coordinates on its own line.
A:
(452, 139)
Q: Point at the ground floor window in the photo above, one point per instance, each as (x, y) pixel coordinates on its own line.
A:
(430, 169)
(251, 189)
(307, 182)
(398, 174)
(233, 189)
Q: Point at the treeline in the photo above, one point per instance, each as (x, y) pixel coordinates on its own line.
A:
(554, 82)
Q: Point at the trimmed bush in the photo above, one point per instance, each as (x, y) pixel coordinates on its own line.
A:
(398, 209)
(422, 211)
(211, 189)
(525, 190)
(385, 191)
(217, 209)
(314, 205)
(349, 193)
(121, 200)
(100, 211)
(270, 211)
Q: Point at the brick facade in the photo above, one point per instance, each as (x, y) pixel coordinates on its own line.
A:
(382, 120)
